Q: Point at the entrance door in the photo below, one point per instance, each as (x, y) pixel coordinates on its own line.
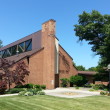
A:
(56, 80)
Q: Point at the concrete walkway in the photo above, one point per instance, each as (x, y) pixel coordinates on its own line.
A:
(67, 92)
(8, 95)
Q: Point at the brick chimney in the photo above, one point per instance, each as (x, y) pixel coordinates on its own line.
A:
(48, 42)
(49, 27)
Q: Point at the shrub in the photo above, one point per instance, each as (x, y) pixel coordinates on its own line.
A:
(37, 86)
(3, 87)
(91, 90)
(105, 89)
(88, 85)
(25, 86)
(103, 93)
(14, 90)
(34, 91)
(43, 86)
(28, 86)
(98, 86)
(28, 93)
(78, 80)
(76, 87)
(22, 93)
(40, 93)
(64, 82)
(19, 86)
(31, 92)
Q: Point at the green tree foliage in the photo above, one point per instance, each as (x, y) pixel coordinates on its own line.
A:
(78, 80)
(1, 44)
(92, 69)
(80, 68)
(102, 74)
(95, 28)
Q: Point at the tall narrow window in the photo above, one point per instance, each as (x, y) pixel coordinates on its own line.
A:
(14, 50)
(28, 45)
(0, 54)
(21, 47)
(4, 54)
(10, 51)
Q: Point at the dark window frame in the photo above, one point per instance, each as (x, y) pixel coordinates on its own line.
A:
(26, 47)
(11, 52)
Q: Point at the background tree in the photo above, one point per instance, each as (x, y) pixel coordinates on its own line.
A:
(95, 28)
(80, 68)
(1, 44)
(102, 74)
(92, 69)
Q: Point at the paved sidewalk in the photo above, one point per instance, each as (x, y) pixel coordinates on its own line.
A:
(8, 95)
(64, 92)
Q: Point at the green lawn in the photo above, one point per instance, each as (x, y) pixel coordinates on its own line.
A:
(54, 103)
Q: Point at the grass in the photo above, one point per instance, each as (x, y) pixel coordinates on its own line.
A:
(54, 103)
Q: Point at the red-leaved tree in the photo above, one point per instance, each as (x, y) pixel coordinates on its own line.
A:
(11, 72)
(19, 73)
(5, 72)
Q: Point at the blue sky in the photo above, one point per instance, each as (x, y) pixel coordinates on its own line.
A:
(19, 18)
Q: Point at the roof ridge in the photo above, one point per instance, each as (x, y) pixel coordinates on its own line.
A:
(19, 40)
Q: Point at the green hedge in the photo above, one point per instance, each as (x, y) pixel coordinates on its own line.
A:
(37, 86)
(31, 86)
(78, 80)
(43, 86)
(14, 90)
(99, 86)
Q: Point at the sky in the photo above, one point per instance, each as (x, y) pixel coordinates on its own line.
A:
(19, 18)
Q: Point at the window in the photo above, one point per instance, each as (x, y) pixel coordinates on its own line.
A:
(14, 50)
(28, 45)
(10, 51)
(4, 54)
(0, 54)
(20, 48)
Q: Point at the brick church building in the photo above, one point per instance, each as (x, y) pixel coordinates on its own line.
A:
(47, 61)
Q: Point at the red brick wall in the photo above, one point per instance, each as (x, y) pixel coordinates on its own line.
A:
(66, 68)
(36, 68)
(101, 82)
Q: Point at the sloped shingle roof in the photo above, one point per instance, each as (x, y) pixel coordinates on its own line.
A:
(87, 72)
